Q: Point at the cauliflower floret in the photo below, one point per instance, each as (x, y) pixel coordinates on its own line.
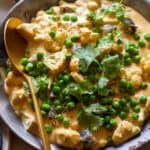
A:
(141, 117)
(124, 131)
(133, 74)
(145, 64)
(12, 80)
(66, 137)
(27, 30)
(147, 105)
(55, 62)
(92, 5)
(117, 48)
(29, 121)
(18, 98)
(74, 65)
(77, 77)
(85, 35)
(94, 37)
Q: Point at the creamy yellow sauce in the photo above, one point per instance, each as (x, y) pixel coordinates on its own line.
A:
(37, 35)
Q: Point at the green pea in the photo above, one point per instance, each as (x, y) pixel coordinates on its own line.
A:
(123, 115)
(75, 38)
(113, 122)
(133, 102)
(143, 99)
(96, 29)
(66, 78)
(126, 109)
(116, 105)
(136, 109)
(58, 108)
(136, 36)
(60, 76)
(66, 122)
(91, 15)
(60, 117)
(74, 18)
(44, 113)
(56, 102)
(113, 112)
(24, 61)
(29, 67)
(123, 83)
(144, 85)
(40, 55)
(68, 43)
(123, 101)
(66, 17)
(127, 61)
(61, 83)
(55, 18)
(40, 65)
(56, 89)
(48, 128)
(45, 107)
(126, 55)
(135, 116)
(137, 58)
(70, 105)
(68, 56)
(132, 49)
(129, 86)
(49, 11)
(109, 127)
(107, 119)
(147, 36)
(52, 34)
(141, 44)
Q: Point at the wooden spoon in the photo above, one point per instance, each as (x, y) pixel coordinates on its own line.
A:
(15, 47)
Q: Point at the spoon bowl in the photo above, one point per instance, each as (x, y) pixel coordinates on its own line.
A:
(15, 47)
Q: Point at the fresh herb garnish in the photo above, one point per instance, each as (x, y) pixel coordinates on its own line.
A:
(115, 8)
(86, 55)
(106, 41)
(88, 119)
(102, 85)
(111, 66)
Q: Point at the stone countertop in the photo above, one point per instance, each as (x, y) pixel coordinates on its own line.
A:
(15, 142)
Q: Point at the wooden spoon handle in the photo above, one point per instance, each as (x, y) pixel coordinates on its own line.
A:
(38, 115)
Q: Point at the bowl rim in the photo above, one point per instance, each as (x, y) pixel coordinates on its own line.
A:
(136, 141)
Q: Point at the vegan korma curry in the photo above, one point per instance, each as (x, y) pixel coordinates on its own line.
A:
(90, 67)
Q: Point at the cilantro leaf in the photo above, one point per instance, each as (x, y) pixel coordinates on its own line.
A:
(77, 90)
(97, 109)
(86, 55)
(40, 85)
(111, 66)
(74, 90)
(95, 16)
(106, 41)
(88, 119)
(103, 90)
(115, 8)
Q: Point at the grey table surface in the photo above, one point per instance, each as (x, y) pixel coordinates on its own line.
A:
(15, 142)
